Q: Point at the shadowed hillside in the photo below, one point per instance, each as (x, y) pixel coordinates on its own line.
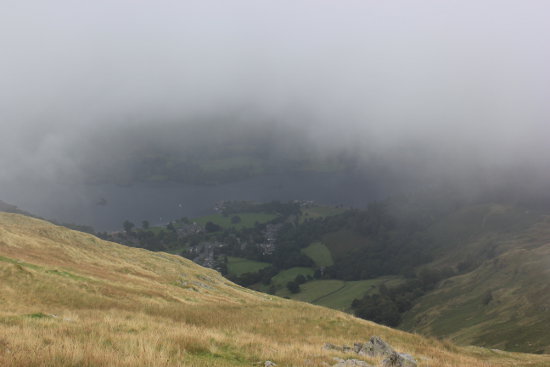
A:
(70, 299)
(503, 301)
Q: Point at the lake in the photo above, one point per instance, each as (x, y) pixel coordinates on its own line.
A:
(106, 207)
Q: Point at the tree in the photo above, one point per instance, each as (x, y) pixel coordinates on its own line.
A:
(145, 224)
(128, 226)
(378, 308)
(293, 287)
(212, 227)
(235, 219)
(300, 279)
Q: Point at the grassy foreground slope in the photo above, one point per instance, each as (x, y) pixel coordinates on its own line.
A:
(70, 299)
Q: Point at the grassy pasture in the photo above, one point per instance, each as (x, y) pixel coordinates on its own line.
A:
(313, 290)
(342, 298)
(319, 253)
(337, 294)
(285, 276)
(239, 265)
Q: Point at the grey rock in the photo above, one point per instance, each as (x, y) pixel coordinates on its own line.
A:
(399, 360)
(351, 363)
(407, 357)
(375, 347)
(269, 364)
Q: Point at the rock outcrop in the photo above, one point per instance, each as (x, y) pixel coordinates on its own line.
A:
(399, 360)
(350, 363)
(375, 347)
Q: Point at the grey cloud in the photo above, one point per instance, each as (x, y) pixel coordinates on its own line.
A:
(427, 86)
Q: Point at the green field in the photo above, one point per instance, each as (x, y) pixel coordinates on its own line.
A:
(285, 276)
(248, 220)
(337, 294)
(313, 290)
(239, 266)
(341, 300)
(319, 253)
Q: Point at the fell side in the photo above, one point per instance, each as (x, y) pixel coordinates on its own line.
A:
(68, 298)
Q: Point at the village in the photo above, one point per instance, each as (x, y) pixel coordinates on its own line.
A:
(238, 228)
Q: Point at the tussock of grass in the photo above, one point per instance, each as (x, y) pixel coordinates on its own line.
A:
(122, 307)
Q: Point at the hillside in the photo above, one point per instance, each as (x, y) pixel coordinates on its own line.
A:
(70, 299)
(441, 268)
(504, 302)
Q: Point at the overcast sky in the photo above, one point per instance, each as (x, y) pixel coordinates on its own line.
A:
(440, 84)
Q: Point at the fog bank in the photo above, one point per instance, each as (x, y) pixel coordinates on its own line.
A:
(431, 90)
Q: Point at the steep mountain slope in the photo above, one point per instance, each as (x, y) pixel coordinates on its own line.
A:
(503, 303)
(70, 299)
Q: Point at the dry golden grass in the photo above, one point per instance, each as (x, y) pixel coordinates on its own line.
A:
(70, 299)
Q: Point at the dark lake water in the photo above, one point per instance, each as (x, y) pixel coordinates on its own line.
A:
(105, 207)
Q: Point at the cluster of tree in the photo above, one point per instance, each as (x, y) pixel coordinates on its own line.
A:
(243, 242)
(261, 276)
(158, 239)
(388, 306)
(294, 285)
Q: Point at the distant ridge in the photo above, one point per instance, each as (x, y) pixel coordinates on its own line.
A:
(8, 208)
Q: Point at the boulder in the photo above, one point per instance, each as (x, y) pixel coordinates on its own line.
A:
(375, 347)
(269, 364)
(399, 360)
(350, 363)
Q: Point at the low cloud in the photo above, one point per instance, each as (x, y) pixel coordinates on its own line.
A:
(428, 88)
